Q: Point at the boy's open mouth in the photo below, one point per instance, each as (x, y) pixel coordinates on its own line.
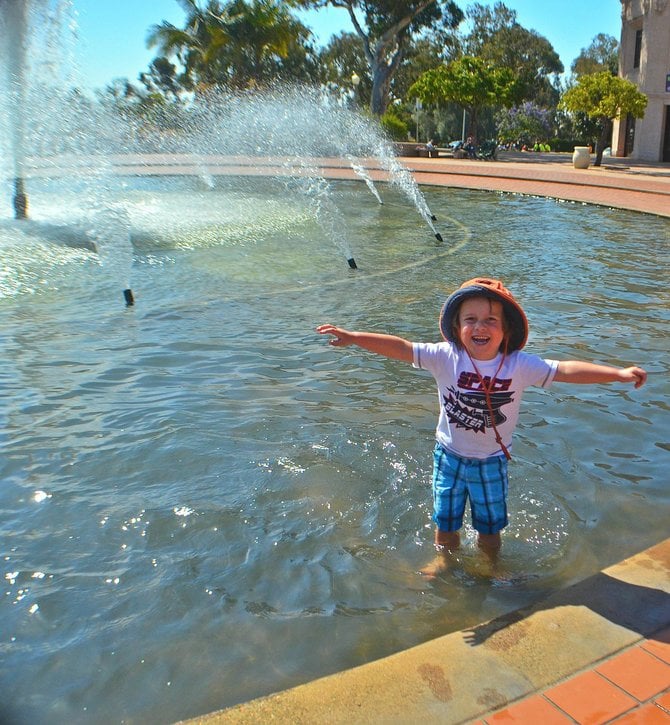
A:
(480, 340)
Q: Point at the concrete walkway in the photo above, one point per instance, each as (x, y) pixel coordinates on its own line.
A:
(597, 652)
(617, 183)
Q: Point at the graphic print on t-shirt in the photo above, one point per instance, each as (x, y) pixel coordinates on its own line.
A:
(466, 405)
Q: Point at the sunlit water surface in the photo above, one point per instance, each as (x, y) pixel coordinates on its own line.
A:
(204, 503)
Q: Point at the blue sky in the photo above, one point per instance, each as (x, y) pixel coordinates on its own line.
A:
(112, 33)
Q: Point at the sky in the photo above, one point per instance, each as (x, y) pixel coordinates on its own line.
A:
(111, 34)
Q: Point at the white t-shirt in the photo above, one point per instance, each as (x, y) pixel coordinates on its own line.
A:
(464, 426)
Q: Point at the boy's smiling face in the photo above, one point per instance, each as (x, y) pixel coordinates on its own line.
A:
(481, 327)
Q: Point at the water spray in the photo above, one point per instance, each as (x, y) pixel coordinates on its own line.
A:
(110, 233)
(401, 177)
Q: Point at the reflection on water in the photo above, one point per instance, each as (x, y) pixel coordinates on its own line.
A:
(197, 489)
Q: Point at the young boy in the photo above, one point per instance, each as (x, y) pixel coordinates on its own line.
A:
(481, 374)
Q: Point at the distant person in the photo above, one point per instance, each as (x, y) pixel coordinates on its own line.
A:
(481, 373)
(470, 148)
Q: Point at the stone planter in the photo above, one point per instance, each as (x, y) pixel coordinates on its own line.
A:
(581, 158)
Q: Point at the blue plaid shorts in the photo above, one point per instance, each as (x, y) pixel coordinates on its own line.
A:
(483, 481)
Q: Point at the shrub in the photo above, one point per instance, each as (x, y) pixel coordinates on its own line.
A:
(394, 127)
(568, 144)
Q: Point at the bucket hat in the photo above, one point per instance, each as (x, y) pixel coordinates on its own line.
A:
(493, 289)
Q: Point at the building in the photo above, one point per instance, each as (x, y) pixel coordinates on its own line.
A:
(644, 59)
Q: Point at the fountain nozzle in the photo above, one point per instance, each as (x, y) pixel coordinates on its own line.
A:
(128, 297)
(352, 263)
(433, 217)
(20, 199)
(438, 236)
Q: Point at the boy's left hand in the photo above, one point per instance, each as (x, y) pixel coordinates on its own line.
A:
(634, 375)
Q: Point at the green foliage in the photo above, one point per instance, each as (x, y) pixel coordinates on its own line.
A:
(603, 96)
(601, 55)
(567, 144)
(497, 38)
(394, 127)
(400, 50)
(339, 60)
(468, 81)
(238, 43)
(386, 27)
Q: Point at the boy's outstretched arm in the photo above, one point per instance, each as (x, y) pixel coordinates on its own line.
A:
(576, 371)
(387, 345)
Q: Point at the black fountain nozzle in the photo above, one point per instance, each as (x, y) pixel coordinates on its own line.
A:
(438, 236)
(433, 217)
(352, 263)
(128, 297)
(20, 199)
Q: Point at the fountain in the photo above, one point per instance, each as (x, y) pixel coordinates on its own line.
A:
(197, 490)
(59, 134)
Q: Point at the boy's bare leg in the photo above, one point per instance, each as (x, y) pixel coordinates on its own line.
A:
(490, 545)
(446, 542)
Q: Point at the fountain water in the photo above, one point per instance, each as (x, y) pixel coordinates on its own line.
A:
(58, 133)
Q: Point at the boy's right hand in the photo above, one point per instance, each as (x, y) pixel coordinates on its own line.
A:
(387, 345)
(340, 337)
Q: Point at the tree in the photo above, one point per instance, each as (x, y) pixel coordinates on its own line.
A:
(486, 22)
(526, 123)
(601, 55)
(498, 38)
(385, 27)
(237, 43)
(604, 97)
(262, 35)
(339, 60)
(197, 44)
(162, 78)
(470, 82)
(531, 58)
